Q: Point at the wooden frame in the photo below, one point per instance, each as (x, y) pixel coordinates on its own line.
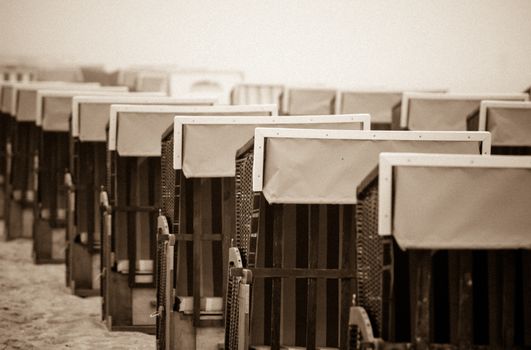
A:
(21, 152)
(277, 223)
(50, 206)
(116, 282)
(213, 210)
(458, 298)
(404, 106)
(83, 210)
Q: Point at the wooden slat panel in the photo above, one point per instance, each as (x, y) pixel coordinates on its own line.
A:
(466, 316)
(291, 254)
(422, 262)
(526, 293)
(276, 288)
(508, 296)
(313, 262)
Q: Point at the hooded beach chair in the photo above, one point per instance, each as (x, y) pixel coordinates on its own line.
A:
(443, 254)
(292, 267)
(90, 116)
(22, 142)
(130, 205)
(441, 111)
(379, 104)
(247, 93)
(198, 220)
(54, 109)
(7, 75)
(217, 83)
(308, 100)
(509, 122)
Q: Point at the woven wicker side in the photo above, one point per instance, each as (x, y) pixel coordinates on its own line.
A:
(374, 260)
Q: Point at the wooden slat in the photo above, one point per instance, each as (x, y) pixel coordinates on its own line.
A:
(508, 296)
(292, 248)
(313, 260)
(422, 262)
(131, 199)
(494, 291)
(276, 288)
(197, 253)
(466, 313)
(332, 285)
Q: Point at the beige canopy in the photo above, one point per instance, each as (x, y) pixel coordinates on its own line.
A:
(378, 104)
(136, 130)
(329, 170)
(462, 207)
(306, 101)
(209, 146)
(7, 93)
(445, 112)
(91, 114)
(54, 107)
(509, 126)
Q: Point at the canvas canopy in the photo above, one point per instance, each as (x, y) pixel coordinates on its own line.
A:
(138, 133)
(445, 112)
(378, 104)
(207, 147)
(306, 101)
(26, 106)
(54, 107)
(462, 206)
(90, 115)
(7, 93)
(509, 124)
(328, 170)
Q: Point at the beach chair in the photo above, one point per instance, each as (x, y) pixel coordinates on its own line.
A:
(198, 220)
(7, 74)
(247, 93)
(509, 122)
(130, 205)
(90, 116)
(308, 100)
(217, 83)
(22, 141)
(443, 254)
(292, 267)
(441, 111)
(54, 109)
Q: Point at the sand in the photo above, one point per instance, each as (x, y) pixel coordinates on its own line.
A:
(37, 311)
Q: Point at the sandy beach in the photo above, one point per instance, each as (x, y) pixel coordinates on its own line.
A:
(37, 311)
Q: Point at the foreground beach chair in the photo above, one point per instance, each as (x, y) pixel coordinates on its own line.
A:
(308, 101)
(244, 94)
(90, 116)
(441, 111)
(22, 143)
(292, 270)
(54, 109)
(130, 204)
(509, 122)
(198, 220)
(443, 254)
